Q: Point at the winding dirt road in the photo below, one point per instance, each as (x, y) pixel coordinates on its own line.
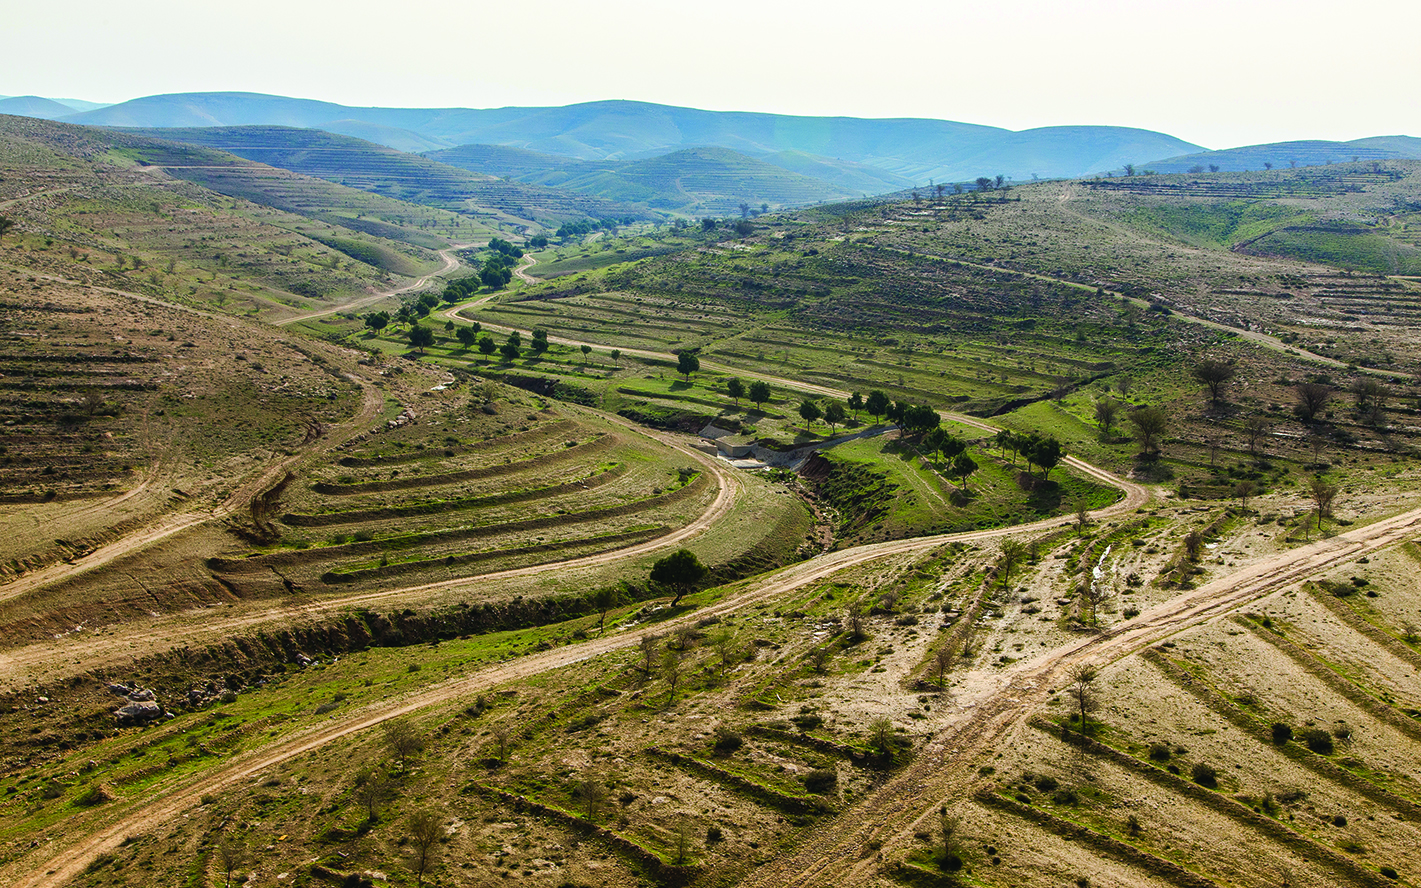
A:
(450, 263)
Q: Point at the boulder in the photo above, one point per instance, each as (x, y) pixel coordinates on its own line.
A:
(138, 712)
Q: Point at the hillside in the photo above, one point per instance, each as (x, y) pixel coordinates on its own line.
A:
(399, 175)
(34, 106)
(1286, 155)
(692, 181)
(915, 149)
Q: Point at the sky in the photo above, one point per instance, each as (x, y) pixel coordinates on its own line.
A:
(1216, 73)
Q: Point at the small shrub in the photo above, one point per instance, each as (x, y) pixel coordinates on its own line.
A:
(1339, 820)
(713, 835)
(1389, 872)
(1046, 783)
(1159, 752)
(1132, 825)
(808, 721)
(1064, 797)
(727, 740)
(1204, 775)
(1281, 733)
(821, 780)
(1319, 741)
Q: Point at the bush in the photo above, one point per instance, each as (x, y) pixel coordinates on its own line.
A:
(1318, 740)
(1281, 733)
(1046, 783)
(727, 740)
(1159, 752)
(1339, 820)
(808, 721)
(1389, 872)
(1204, 775)
(821, 780)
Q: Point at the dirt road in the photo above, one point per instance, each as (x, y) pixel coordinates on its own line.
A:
(981, 717)
(450, 263)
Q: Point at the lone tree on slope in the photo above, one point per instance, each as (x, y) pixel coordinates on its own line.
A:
(687, 363)
(681, 570)
(759, 393)
(1213, 374)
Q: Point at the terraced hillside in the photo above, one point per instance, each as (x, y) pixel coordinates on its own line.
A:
(411, 178)
(93, 206)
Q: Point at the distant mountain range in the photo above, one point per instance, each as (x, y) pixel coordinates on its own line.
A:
(915, 150)
(683, 160)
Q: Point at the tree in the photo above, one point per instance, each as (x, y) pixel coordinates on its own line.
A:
(421, 337)
(809, 411)
(6, 223)
(1093, 595)
(377, 320)
(426, 829)
(591, 790)
(232, 855)
(604, 599)
(735, 388)
(1150, 424)
(671, 673)
(1082, 690)
(1129, 169)
(1213, 374)
(759, 392)
(1312, 399)
(984, 183)
(466, 336)
(402, 740)
(647, 646)
(855, 403)
(681, 570)
(877, 403)
(1013, 551)
(943, 658)
(1046, 452)
(586, 350)
(962, 467)
(687, 363)
(1323, 493)
(1243, 490)
(487, 346)
(1105, 410)
(373, 788)
(1255, 428)
(509, 351)
(616, 356)
(502, 742)
(834, 414)
(880, 738)
(540, 341)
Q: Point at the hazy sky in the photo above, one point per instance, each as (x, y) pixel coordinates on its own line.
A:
(1216, 72)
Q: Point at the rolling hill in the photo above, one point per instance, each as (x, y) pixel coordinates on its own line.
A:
(690, 181)
(385, 171)
(1312, 152)
(34, 106)
(916, 149)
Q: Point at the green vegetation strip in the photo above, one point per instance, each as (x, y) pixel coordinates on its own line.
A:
(1318, 764)
(531, 436)
(407, 567)
(1352, 872)
(602, 442)
(800, 738)
(1075, 832)
(759, 792)
(456, 505)
(1344, 612)
(414, 540)
(1329, 676)
(668, 873)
